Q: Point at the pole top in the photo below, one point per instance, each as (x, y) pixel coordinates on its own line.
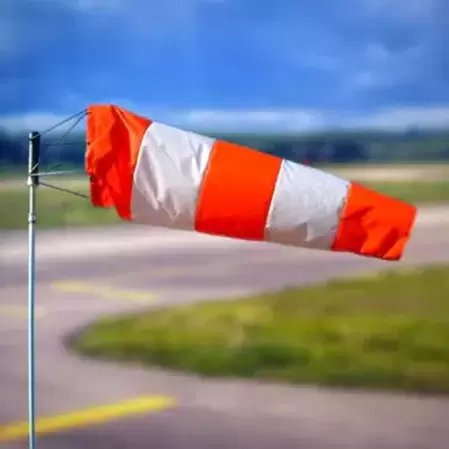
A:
(34, 134)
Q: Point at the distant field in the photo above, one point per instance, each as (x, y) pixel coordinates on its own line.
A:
(55, 209)
(362, 172)
(69, 182)
(391, 173)
(420, 185)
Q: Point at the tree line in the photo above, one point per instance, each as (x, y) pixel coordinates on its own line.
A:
(314, 149)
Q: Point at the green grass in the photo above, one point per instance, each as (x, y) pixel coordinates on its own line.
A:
(416, 192)
(388, 331)
(56, 209)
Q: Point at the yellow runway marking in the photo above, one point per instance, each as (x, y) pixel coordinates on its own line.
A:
(88, 417)
(11, 311)
(103, 291)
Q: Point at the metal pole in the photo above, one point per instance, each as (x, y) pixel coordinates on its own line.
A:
(32, 182)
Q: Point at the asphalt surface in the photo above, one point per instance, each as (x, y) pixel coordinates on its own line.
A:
(151, 268)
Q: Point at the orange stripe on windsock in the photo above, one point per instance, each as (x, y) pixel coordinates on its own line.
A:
(114, 136)
(373, 224)
(236, 192)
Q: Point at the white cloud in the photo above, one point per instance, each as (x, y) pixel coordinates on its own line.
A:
(201, 119)
(9, 44)
(8, 39)
(403, 10)
(20, 34)
(382, 67)
(99, 4)
(402, 118)
(92, 6)
(260, 120)
(376, 52)
(251, 119)
(39, 121)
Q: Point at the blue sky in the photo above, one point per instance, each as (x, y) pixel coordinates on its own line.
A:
(221, 64)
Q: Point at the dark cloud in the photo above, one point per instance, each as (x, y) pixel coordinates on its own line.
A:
(347, 55)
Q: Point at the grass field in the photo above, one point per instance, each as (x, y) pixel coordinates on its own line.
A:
(56, 209)
(387, 331)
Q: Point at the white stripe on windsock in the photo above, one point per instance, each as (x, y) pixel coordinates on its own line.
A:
(306, 207)
(168, 176)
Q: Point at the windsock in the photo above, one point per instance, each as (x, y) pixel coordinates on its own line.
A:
(160, 175)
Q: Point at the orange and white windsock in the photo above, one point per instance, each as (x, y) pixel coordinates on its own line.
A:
(160, 175)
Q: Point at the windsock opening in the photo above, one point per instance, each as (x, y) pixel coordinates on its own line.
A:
(113, 137)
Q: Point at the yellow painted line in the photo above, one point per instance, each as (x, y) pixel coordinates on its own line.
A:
(11, 311)
(103, 291)
(86, 418)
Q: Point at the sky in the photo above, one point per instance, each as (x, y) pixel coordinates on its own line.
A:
(263, 65)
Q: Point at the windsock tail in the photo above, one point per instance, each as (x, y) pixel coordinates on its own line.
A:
(160, 175)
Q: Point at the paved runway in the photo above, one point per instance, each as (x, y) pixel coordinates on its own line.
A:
(92, 404)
